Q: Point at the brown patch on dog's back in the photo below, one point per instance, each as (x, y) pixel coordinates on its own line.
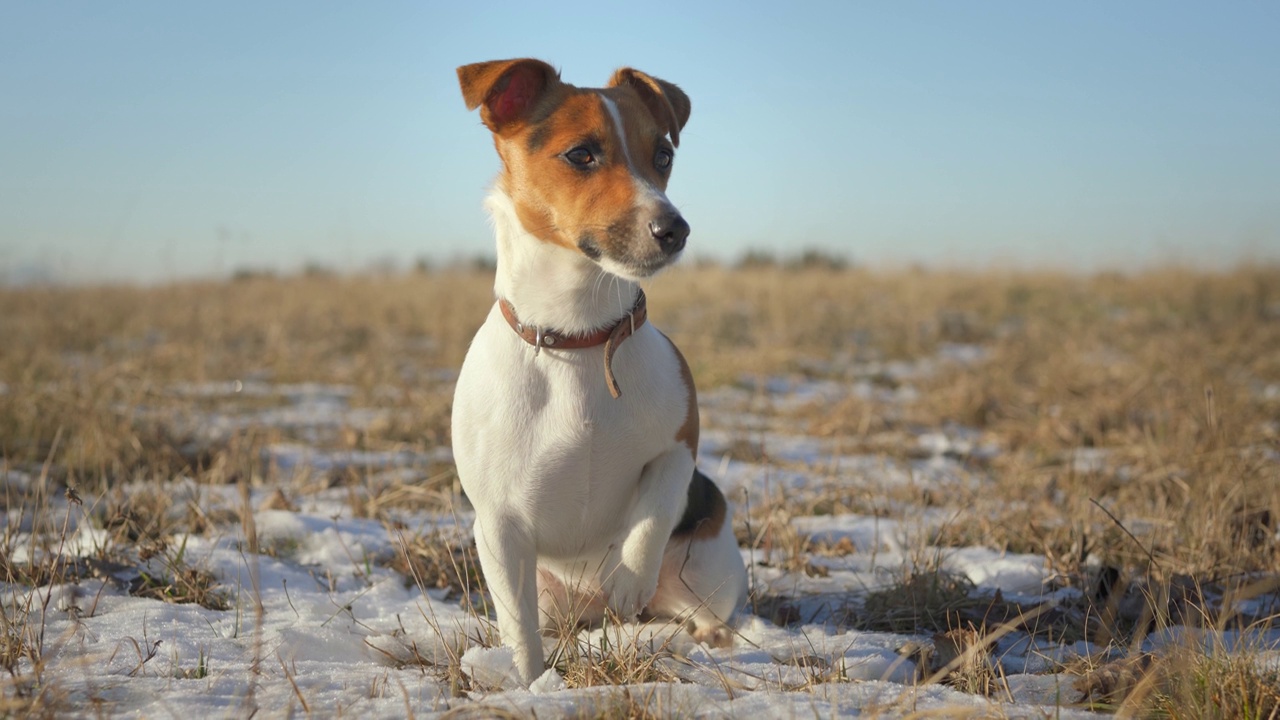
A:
(704, 511)
(688, 432)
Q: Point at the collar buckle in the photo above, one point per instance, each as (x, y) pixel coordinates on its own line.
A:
(610, 337)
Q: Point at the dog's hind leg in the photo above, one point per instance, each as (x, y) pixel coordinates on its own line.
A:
(703, 580)
(565, 606)
(702, 583)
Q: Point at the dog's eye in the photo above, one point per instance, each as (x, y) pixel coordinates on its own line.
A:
(663, 159)
(580, 157)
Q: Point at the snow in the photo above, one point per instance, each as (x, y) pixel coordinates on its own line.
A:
(1012, 574)
(495, 669)
(319, 622)
(866, 533)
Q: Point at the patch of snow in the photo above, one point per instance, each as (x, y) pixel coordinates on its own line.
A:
(866, 533)
(793, 392)
(1010, 573)
(963, 353)
(1268, 661)
(1045, 690)
(1251, 640)
(348, 632)
(310, 411)
(492, 668)
(290, 457)
(549, 682)
(1086, 460)
(823, 466)
(1018, 653)
(733, 476)
(16, 481)
(956, 441)
(297, 393)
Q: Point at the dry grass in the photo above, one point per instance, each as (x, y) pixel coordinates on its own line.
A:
(1171, 377)
(1184, 684)
(614, 658)
(96, 366)
(177, 582)
(441, 561)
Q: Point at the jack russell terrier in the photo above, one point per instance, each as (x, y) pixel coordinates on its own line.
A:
(575, 421)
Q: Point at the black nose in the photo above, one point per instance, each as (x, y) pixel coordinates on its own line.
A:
(670, 231)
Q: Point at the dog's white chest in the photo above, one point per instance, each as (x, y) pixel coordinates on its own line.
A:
(539, 438)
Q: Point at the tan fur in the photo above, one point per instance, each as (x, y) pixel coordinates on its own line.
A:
(554, 201)
(689, 431)
(666, 103)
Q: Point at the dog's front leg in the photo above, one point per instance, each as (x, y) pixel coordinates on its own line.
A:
(630, 574)
(509, 560)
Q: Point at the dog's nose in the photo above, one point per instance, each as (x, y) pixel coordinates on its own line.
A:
(670, 231)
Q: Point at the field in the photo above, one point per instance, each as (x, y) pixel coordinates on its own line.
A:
(980, 494)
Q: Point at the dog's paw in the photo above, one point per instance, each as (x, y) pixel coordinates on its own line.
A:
(627, 592)
(716, 635)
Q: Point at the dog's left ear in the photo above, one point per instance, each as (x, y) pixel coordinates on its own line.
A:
(667, 103)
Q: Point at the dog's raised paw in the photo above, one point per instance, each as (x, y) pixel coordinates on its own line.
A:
(627, 593)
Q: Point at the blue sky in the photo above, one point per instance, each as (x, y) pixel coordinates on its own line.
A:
(153, 141)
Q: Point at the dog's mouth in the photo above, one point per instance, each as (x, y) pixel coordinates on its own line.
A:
(634, 273)
(629, 265)
(647, 269)
(635, 269)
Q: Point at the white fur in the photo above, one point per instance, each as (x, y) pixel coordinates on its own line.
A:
(566, 478)
(551, 286)
(612, 107)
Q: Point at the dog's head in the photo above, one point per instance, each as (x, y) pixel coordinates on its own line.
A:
(586, 168)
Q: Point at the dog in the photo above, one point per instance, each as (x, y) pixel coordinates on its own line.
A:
(575, 421)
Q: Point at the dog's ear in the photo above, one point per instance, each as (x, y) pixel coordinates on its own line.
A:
(667, 103)
(507, 89)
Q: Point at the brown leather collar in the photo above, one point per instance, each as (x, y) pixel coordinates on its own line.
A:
(610, 337)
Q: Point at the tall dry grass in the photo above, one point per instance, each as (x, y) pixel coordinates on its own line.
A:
(1166, 371)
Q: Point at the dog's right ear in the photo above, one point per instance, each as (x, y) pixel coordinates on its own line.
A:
(507, 89)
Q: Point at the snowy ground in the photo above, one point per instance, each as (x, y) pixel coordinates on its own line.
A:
(342, 631)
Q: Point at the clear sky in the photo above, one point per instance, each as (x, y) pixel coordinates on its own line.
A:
(160, 140)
